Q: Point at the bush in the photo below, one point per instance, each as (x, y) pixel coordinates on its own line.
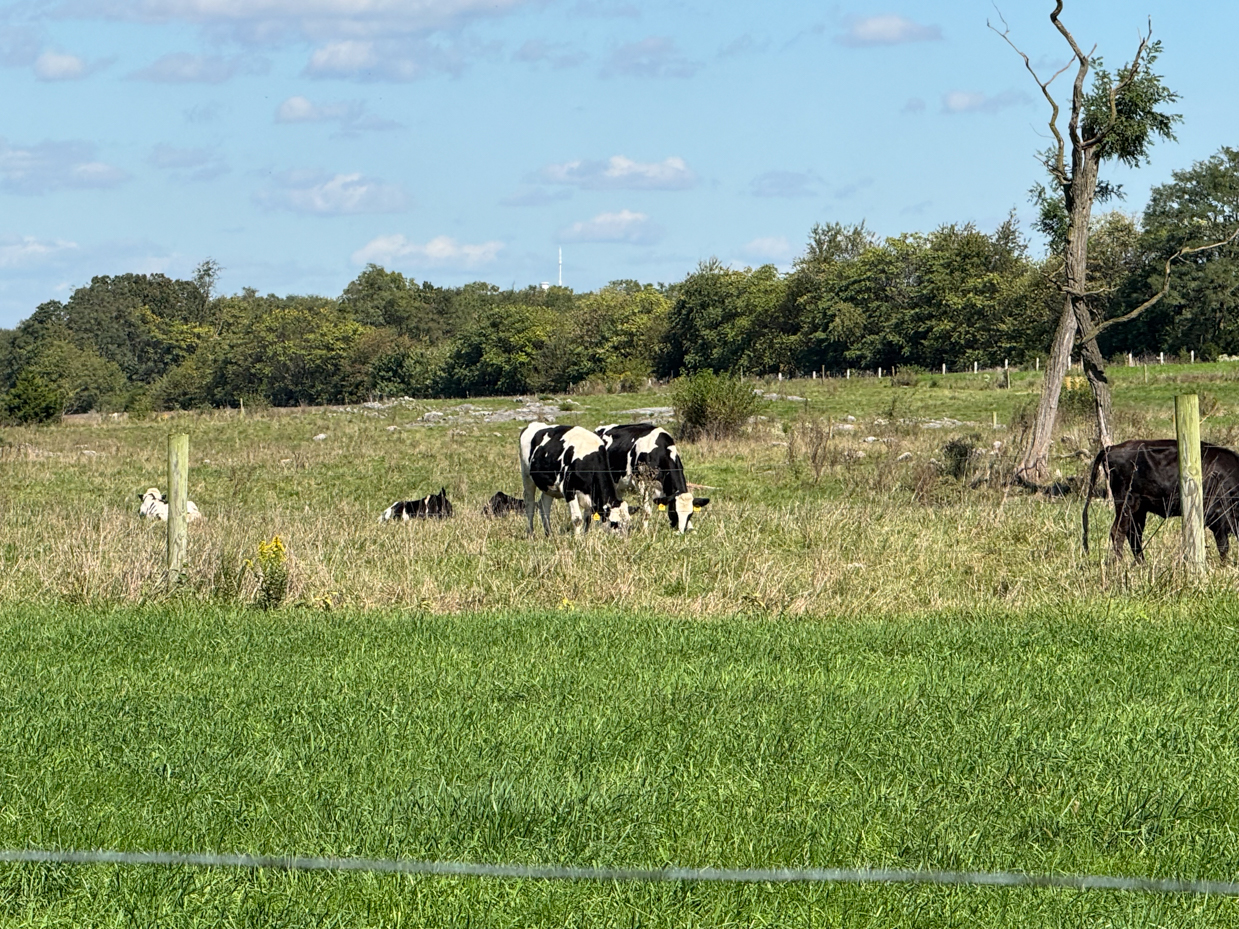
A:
(32, 400)
(906, 375)
(959, 454)
(713, 405)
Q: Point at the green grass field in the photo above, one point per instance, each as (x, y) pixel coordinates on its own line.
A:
(878, 665)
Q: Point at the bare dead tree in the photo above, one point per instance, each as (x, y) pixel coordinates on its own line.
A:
(1116, 118)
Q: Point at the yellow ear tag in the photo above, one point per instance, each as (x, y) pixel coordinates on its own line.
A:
(696, 509)
(597, 518)
(661, 507)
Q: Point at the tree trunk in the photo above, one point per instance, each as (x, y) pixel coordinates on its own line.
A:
(1034, 467)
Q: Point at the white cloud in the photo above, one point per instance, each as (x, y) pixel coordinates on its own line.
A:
(24, 251)
(963, 101)
(351, 115)
(59, 66)
(186, 68)
(341, 194)
(442, 251)
(886, 29)
(399, 60)
(788, 184)
(655, 57)
(622, 173)
(271, 23)
(48, 166)
(623, 227)
(773, 248)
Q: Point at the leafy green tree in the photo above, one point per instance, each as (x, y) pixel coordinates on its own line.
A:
(502, 352)
(32, 401)
(83, 378)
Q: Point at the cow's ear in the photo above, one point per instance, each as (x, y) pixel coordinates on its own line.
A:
(699, 502)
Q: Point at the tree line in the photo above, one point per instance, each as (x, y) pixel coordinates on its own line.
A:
(954, 296)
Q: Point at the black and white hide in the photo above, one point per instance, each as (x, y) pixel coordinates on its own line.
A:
(502, 504)
(643, 459)
(570, 463)
(434, 506)
(155, 506)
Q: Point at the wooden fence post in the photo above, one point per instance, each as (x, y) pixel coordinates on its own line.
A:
(178, 498)
(1191, 482)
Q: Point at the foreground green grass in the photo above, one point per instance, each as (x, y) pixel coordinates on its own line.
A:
(1059, 740)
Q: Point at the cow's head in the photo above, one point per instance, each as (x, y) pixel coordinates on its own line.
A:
(680, 509)
(616, 517)
(152, 493)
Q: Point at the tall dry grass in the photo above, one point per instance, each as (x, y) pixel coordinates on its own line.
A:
(858, 522)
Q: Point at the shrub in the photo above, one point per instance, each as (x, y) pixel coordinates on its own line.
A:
(713, 405)
(272, 567)
(906, 375)
(32, 400)
(958, 454)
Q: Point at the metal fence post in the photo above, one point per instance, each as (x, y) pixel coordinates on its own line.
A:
(178, 498)
(1191, 482)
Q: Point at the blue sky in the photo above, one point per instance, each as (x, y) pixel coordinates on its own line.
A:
(459, 140)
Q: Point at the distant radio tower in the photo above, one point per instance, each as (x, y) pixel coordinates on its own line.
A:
(561, 267)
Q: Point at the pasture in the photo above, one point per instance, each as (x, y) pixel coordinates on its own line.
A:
(858, 660)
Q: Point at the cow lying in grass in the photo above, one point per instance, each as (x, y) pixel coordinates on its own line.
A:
(155, 506)
(570, 463)
(434, 506)
(643, 458)
(502, 504)
(1144, 479)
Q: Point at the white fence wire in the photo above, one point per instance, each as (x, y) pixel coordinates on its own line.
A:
(605, 874)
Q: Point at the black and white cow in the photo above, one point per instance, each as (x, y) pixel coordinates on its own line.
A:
(570, 463)
(643, 458)
(502, 504)
(433, 506)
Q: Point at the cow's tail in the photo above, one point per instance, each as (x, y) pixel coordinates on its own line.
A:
(1088, 495)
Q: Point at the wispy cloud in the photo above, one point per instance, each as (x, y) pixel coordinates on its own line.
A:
(349, 115)
(744, 45)
(623, 227)
(914, 105)
(27, 251)
(19, 46)
(847, 191)
(188, 164)
(273, 22)
(622, 173)
(774, 248)
(655, 57)
(964, 101)
(61, 66)
(440, 252)
(916, 209)
(318, 194)
(48, 166)
(187, 68)
(789, 184)
(397, 60)
(555, 54)
(886, 29)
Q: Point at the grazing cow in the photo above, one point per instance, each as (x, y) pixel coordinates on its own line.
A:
(434, 506)
(502, 504)
(570, 463)
(643, 457)
(155, 506)
(1144, 478)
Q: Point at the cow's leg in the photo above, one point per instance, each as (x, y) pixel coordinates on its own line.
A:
(547, 499)
(574, 510)
(1221, 535)
(1135, 534)
(1120, 531)
(531, 493)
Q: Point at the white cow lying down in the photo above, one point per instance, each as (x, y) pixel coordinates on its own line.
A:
(155, 506)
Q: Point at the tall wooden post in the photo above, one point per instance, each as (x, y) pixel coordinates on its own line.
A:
(1191, 481)
(178, 498)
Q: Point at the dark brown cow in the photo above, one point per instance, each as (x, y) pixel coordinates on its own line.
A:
(1144, 479)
